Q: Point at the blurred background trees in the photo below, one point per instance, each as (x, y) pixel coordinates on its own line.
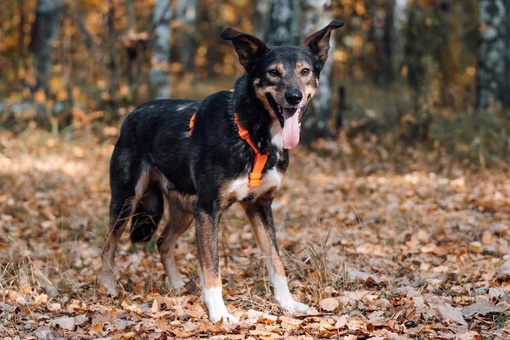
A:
(402, 71)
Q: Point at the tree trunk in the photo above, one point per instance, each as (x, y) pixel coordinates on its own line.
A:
(491, 54)
(413, 51)
(283, 23)
(382, 37)
(320, 118)
(290, 22)
(185, 43)
(261, 18)
(506, 89)
(45, 32)
(399, 41)
(134, 44)
(113, 63)
(160, 71)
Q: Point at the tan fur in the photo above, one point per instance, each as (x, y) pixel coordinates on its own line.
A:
(181, 217)
(207, 242)
(266, 242)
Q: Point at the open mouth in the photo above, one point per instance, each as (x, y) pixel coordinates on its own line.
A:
(290, 120)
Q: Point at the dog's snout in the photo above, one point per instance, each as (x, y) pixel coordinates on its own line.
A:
(293, 96)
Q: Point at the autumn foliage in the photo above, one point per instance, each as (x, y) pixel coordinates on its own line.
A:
(396, 228)
(377, 251)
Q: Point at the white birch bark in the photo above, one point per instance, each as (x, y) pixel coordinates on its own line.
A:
(186, 14)
(491, 54)
(316, 16)
(160, 67)
(283, 23)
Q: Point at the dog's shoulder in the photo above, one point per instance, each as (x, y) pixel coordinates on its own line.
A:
(214, 116)
(217, 102)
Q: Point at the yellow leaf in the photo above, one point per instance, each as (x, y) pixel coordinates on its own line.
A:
(39, 96)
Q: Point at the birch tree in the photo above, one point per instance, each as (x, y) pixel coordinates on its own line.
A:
(186, 14)
(318, 124)
(506, 88)
(290, 22)
(492, 53)
(399, 43)
(283, 23)
(261, 18)
(160, 69)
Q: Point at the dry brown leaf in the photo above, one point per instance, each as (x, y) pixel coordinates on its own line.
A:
(54, 307)
(162, 324)
(329, 304)
(446, 311)
(156, 307)
(69, 323)
(357, 275)
(260, 334)
(503, 272)
(484, 307)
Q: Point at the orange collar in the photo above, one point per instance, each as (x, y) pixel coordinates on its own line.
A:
(260, 158)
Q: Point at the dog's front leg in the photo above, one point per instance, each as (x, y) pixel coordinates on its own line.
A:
(261, 220)
(207, 217)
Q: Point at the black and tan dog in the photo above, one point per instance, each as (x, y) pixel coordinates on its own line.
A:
(202, 156)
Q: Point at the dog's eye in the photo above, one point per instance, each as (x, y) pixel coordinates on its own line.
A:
(305, 71)
(273, 72)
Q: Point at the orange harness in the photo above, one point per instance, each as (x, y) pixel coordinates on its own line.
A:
(260, 158)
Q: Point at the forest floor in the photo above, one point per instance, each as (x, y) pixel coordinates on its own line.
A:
(378, 248)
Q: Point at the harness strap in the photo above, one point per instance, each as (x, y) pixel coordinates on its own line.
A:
(260, 158)
(192, 123)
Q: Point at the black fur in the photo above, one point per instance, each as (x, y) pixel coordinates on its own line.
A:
(157, 156)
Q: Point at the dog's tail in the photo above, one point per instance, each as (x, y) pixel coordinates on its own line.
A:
(148, 212)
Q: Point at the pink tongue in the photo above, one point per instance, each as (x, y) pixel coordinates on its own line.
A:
(290, 132)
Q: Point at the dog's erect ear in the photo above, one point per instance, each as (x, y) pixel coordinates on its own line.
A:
(248, 47)
(318, 42)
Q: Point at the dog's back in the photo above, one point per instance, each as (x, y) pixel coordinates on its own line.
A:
(141, 152)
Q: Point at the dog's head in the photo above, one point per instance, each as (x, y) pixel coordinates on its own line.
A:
(284, 78)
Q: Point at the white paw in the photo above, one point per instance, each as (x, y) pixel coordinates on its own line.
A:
(227, 317)
(292, 306)
(108, 281)
(177, 283)
(216, 307)
(283, 296)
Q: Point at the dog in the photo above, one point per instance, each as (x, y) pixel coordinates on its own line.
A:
(203, 156)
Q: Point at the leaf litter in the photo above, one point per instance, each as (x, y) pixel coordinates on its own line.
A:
(376, 250)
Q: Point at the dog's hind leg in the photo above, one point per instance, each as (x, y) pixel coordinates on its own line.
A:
(120, 212)
(127, 187)
(147, 214)
(180, 218)
(261, 219)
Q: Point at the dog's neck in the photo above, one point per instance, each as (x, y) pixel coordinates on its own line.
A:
(253, 115)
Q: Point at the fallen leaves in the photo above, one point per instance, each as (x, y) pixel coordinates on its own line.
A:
(376, 254)
(68, 323)
(329, 304)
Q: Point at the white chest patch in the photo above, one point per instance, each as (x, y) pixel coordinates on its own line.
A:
(276, 133)
(239, 187)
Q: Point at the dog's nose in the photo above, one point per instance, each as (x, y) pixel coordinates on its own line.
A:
(293, 96)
